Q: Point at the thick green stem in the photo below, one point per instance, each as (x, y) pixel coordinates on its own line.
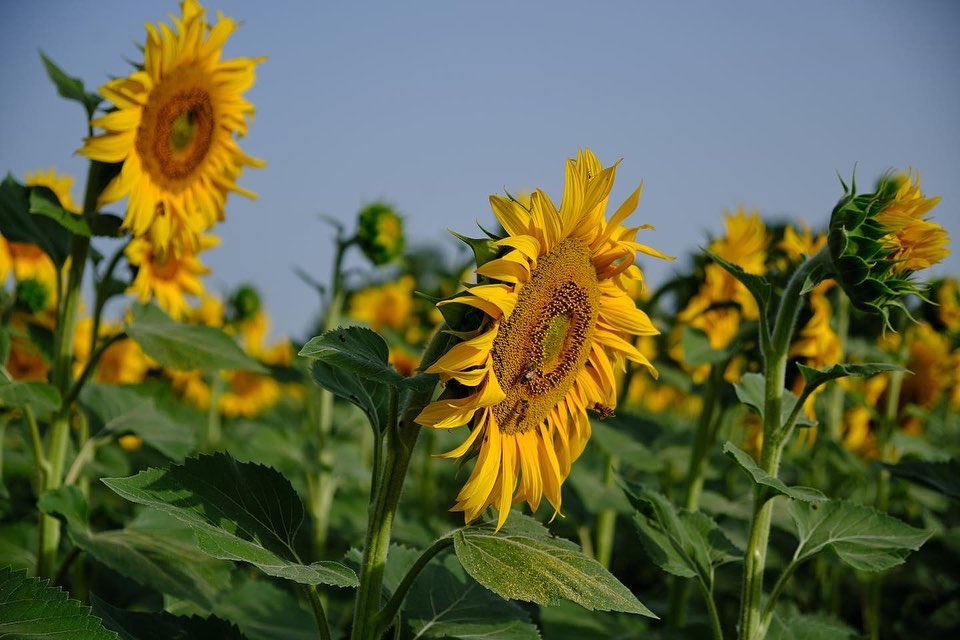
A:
(607, 519)
(775, 435)
(401, 438)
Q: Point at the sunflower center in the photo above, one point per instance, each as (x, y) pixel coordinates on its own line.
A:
(543, 346)
(176, 130)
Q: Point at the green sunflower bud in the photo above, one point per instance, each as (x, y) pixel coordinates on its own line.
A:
(245, 302)
(31, 295)
(380, 233)
(878, 240)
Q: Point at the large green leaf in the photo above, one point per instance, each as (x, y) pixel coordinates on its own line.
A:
(364, 353)
(942, 476)
(752, 391)
(760, 477)
(445, 603)
(17, 224)
(43, 398)
(160, 625)
(123, 410)
(71, 88)
(684, 543)
(371, 396)
(44, 202)
(153, 558)
(809, 627)
(31, 609)
(238, 511)
(613, 437)
(524, 562)
(861, 537)
(813, 378)
(186, 346)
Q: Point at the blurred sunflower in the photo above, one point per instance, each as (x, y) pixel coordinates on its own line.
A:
(166, 275)
(800, 244)
(123, 362)
(174, 131)
(61, 185)
(557, 320)
(388, 305)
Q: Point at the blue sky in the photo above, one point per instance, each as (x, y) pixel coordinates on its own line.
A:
(435, 105)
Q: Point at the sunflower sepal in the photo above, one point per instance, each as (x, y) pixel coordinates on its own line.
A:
(483, 248)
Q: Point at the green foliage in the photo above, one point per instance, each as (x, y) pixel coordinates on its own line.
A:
(524, 562)
(186, 346)
(153, 556)
(752, 391)
(445, 603)
(71, 88)
(697, 349)
(43, 398)
(808, 627)
(860, 536)
(688, 544)
(363, 353)
(942, 476)
(758, 286)
(813, 378)
(44, 202)
(760, 477)
(238, 511)
(17, 224)
(31, 609)
(160, 625)
(121, 410)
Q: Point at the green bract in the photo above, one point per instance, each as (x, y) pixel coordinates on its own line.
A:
(861, 259)
(380, 233)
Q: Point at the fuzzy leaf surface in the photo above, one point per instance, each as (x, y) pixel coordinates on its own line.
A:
(760, 477)
(751, 390)
(238, 511)
(524, 562)
(862, 537)
(31, 609)
(43, 398)
(185, 346)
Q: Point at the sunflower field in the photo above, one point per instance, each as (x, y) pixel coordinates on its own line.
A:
(529, 441)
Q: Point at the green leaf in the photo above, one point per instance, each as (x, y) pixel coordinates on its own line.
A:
(523, 562)
(238, 511)
(813, 378)
(613, 437)
(445, 603)
(760, 477)
(697, 349)
(483, 249)
(595, 495)
(160, 625)
(31, 609)
(861, 537)
(106, 225)
(154, 558)
(71, 88)
(43, 398)
(122, 411)
(185, 346)
(372, 397)
(809, 627)
(942, 476)
(363, 353)
(686, 543)
(758, 286)
(17, 224)
(44, 202)
(752, 391)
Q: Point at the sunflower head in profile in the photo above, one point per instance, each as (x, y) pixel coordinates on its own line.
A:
(174, 129)
(556, 323)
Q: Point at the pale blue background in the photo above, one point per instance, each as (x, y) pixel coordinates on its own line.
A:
(435, 105)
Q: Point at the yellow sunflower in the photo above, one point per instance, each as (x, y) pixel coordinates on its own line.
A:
(166, 275)
(61, 185)
(387, 305)
(912, 240)
(557, 322)
(175, 130)
(123, 362)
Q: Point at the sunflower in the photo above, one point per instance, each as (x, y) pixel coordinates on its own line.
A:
(166, 275)
(557, 321)
(61, 185)
(123, 362)
(174, 130)
(387, 305)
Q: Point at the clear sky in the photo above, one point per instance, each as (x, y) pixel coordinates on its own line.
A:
(435, 105)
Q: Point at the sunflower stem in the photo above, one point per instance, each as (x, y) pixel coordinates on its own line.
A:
(775, 436)
(48, 533)
(835, 399)
(402, 436)
(607, 519)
